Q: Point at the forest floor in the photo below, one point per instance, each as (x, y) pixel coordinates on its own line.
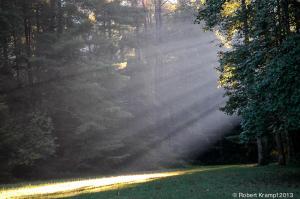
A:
(210, 182)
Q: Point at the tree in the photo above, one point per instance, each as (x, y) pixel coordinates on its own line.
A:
(258, 73)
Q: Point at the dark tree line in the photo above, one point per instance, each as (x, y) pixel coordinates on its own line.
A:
(260, 72)
(57, 82)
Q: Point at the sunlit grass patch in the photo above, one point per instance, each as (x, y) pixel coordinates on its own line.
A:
(79, 186)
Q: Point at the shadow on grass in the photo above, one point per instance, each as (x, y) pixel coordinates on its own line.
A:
(210, 183)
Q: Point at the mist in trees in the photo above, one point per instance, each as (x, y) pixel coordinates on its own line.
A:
(104, 86)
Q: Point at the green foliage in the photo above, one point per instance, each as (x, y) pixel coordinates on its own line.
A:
(260, 73)
(27, 138)
(211, 13)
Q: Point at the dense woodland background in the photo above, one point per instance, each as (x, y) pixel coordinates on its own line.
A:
(98, 86)
(83, 90)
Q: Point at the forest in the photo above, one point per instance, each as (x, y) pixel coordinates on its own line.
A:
(113, 87)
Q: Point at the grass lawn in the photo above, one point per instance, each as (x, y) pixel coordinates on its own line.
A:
(217, 182)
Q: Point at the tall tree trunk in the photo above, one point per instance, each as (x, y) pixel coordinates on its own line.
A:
(27, 34)
(52, 24)
(289, 148)
(260, 151)
(59, 18)
(158, 19)
(146, 15)
(280, 149)
(109, 29)
(285, 16)
(245, 20)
